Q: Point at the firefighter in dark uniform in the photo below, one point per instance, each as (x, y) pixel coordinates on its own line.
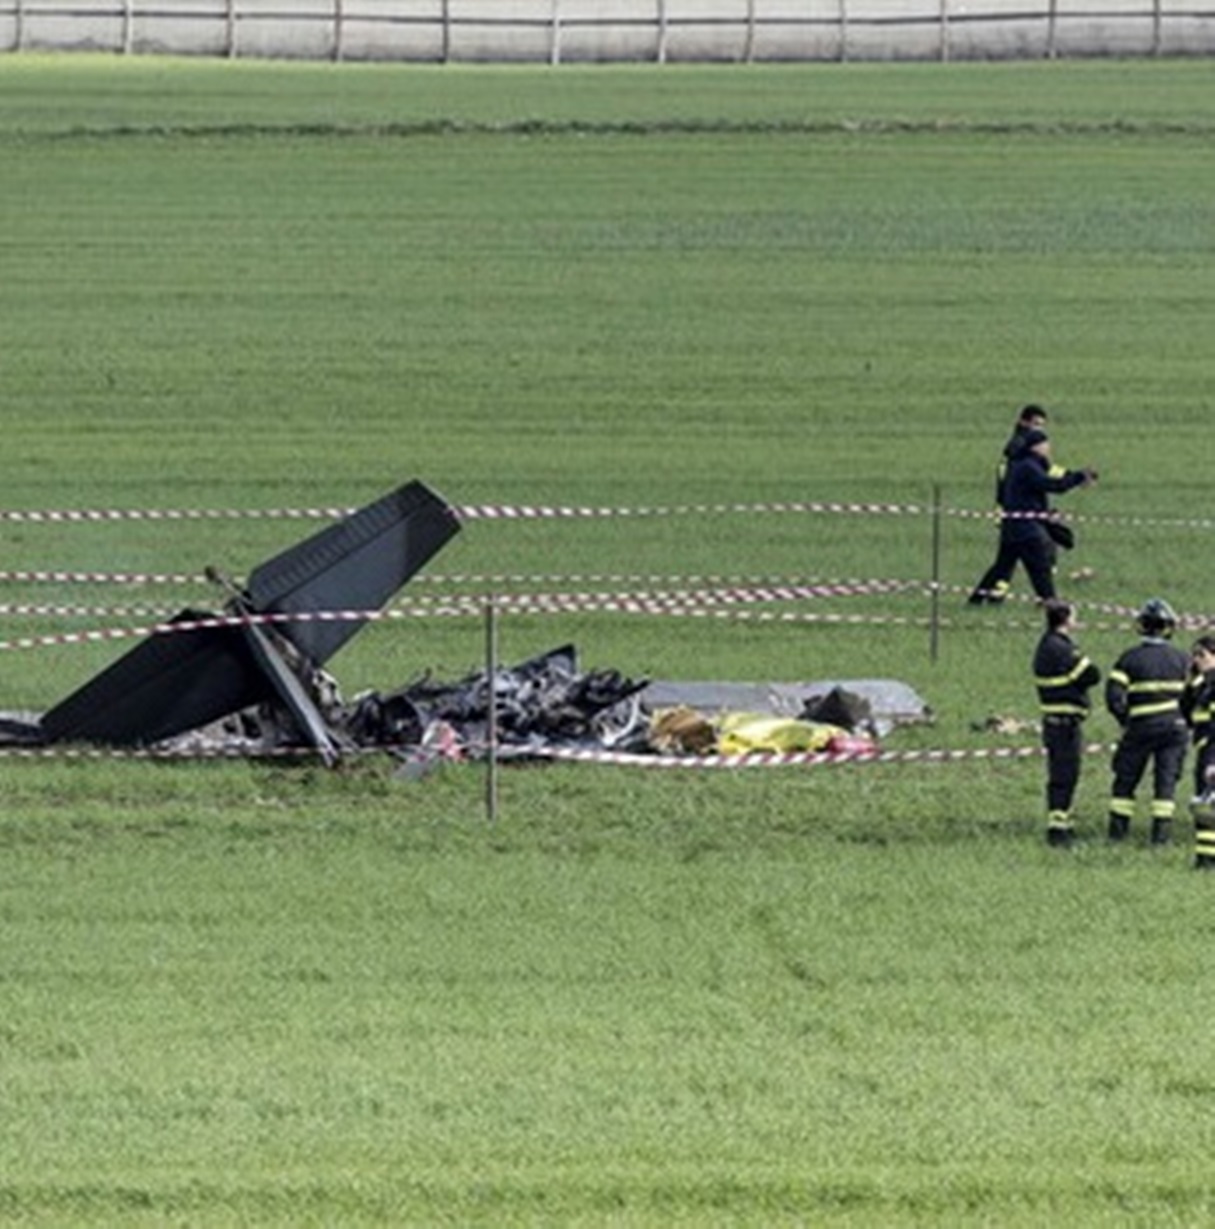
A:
(1144, 692)
(1200, 712)
(1063, 675)
(994, 584)
(1026, 526)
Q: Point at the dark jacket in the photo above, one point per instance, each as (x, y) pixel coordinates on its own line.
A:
(1198, 707)
(1148, 682)
(1063, 676)
(1012, 452)
(1027, 490)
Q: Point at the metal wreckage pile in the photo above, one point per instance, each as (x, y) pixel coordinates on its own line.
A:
(252, 680)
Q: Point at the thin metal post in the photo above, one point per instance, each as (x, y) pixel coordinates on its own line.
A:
(491, 733)
(554, 51)
(935, 617)
(843, 31)
(1052, 29)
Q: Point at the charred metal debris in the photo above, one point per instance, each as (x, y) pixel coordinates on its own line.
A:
(252, 680)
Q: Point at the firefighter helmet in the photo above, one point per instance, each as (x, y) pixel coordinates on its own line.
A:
(1157, 618)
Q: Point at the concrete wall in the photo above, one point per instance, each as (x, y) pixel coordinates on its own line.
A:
(574, 31)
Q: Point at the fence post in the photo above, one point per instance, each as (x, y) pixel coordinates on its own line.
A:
(945, 48)
(230, 29)
(128, 24)
(749, 40)
(445, 18)
(934, 622)
(339, 23)
(1052, 29)
(661, 54)
(491, 733)
(843, 31)
(1157, 27)
(554, 50)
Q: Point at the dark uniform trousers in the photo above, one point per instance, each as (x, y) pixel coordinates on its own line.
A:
(1163, 740)
(1204, 807)
(1062, 736)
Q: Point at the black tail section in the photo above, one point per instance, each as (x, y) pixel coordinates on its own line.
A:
(176, 682)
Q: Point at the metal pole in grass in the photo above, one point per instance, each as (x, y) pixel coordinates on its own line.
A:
(491, 739)
(935, 619)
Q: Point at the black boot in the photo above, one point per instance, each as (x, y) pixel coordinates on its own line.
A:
(1162, 831)
(1120, 827)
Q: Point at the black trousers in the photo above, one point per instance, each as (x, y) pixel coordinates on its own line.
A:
(1033, 549)
(1204, 762)
(1063, 739)
(1161, 741)
(995, 580)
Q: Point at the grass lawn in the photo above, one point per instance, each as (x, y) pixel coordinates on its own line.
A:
(245, 994)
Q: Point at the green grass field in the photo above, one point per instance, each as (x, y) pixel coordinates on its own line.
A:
(254, 994)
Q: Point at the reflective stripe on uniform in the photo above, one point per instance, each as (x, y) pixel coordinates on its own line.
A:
(1062, 680)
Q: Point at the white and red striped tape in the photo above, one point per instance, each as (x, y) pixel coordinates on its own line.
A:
(726, 603)
(531, 512)
(790, 759)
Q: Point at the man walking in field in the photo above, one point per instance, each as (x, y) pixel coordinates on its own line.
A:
(1144, 692)
(1027, 529)
(1063, 676)
(994, 585)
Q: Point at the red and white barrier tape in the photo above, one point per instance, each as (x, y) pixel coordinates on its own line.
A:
(531, 512)
(47, 577)
(788, 759)
(620, 759)
(107, 516)
(703, 604)
(81, 752)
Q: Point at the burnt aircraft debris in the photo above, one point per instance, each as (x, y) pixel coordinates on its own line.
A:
(270, 656)
(543, 701)
(251, 681)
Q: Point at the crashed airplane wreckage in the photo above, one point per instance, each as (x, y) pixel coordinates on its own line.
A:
(251, 680)
(262, 660)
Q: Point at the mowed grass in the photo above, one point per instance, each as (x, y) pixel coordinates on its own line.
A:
(869, 994)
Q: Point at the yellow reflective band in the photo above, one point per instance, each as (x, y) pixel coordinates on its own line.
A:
(1070, 710)
(1154, 710)
(1119, 676)
(1122, 806)
(1062, 680)
(1165, 685)
(1163, 809)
